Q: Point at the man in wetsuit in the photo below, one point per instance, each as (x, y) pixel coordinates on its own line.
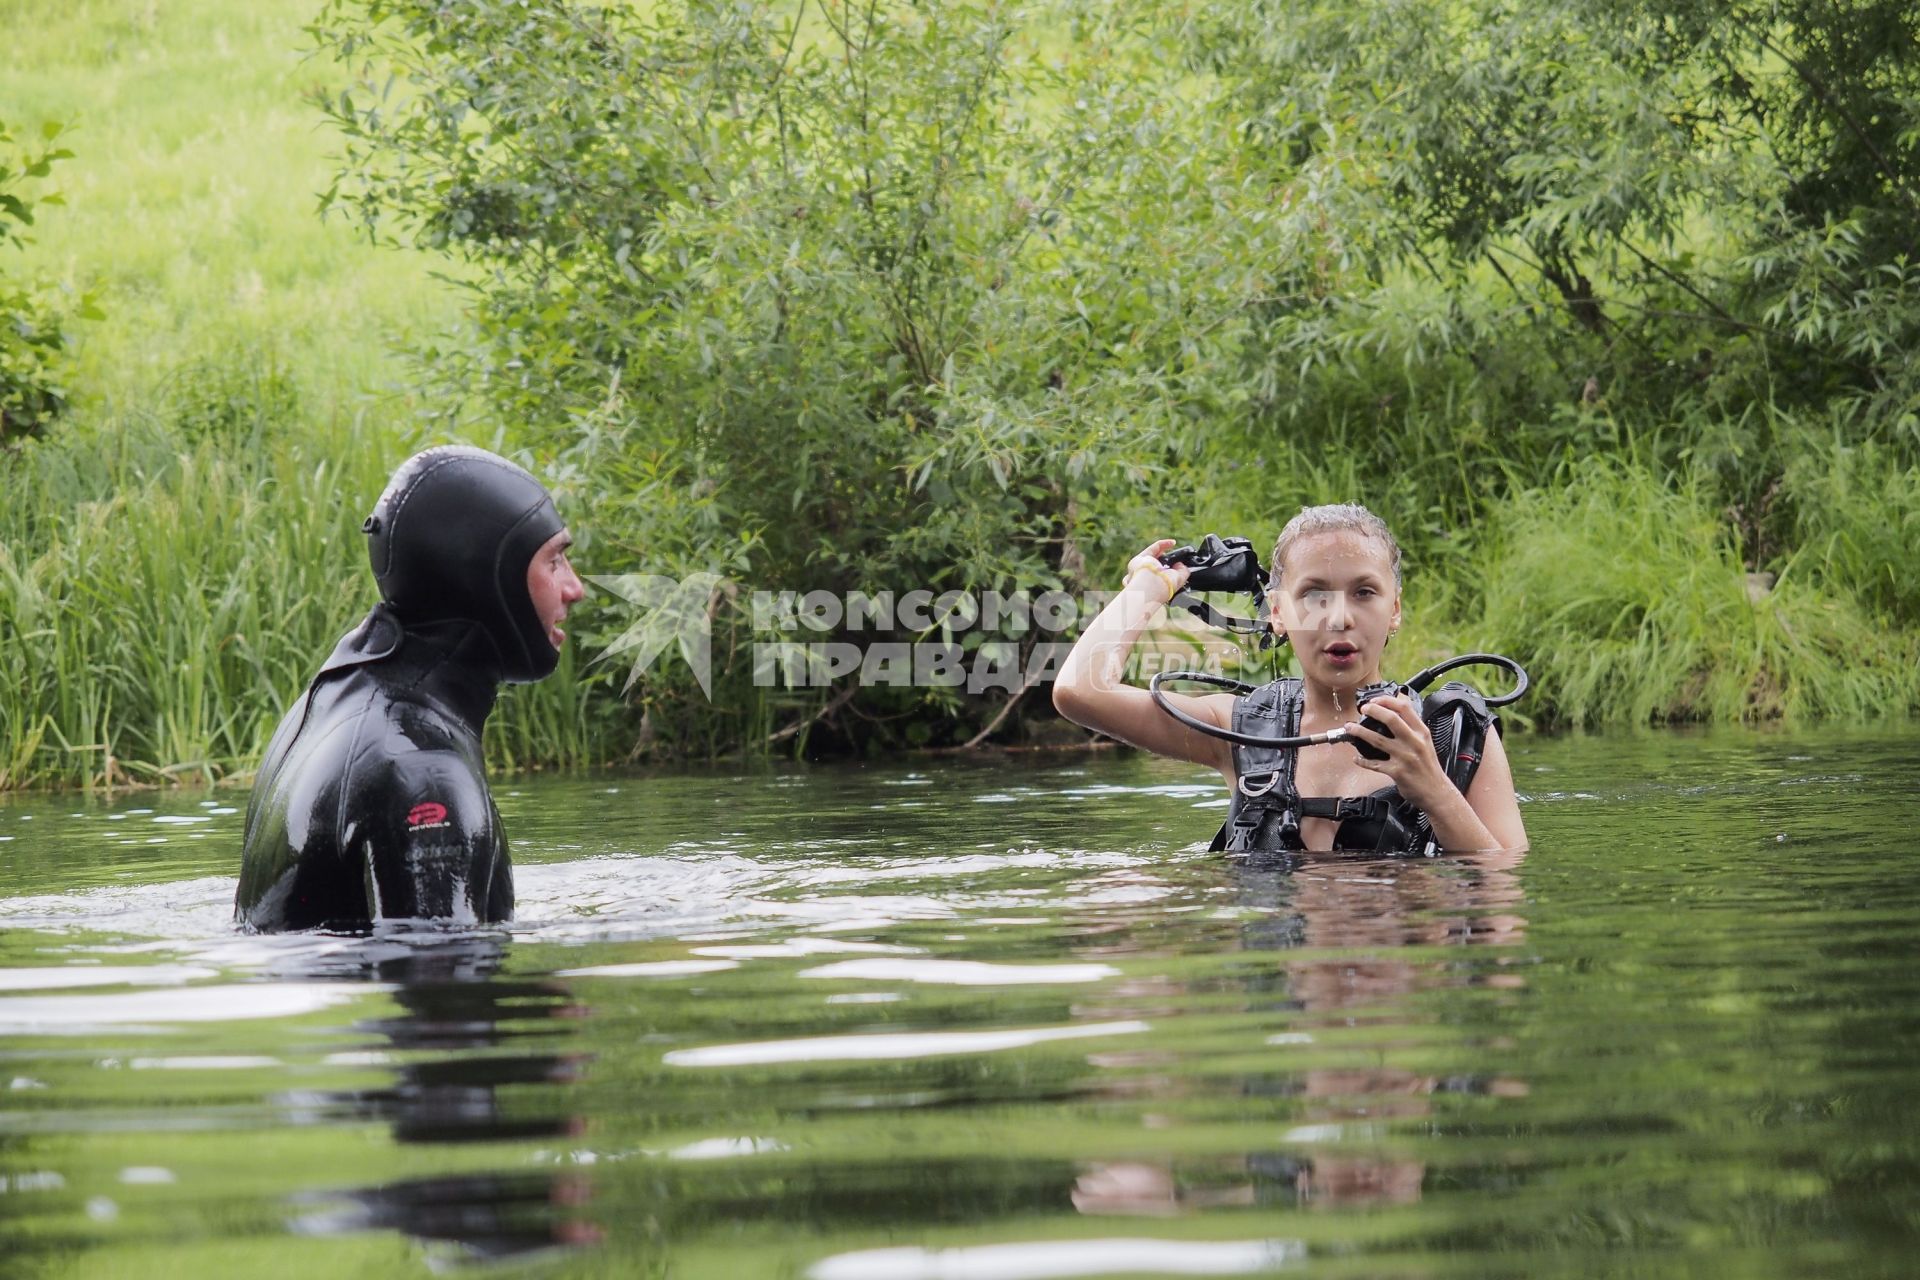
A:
(372, 800)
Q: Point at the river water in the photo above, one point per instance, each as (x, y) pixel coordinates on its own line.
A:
(995, 1020)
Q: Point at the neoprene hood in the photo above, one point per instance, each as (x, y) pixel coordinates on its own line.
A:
(450, 541)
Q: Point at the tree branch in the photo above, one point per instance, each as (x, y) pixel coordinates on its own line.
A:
(838, 701)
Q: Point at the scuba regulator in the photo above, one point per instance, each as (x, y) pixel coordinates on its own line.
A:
(1224, 564)
(1232, 565)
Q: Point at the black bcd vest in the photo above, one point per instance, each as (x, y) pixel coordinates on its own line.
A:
(1266, 808)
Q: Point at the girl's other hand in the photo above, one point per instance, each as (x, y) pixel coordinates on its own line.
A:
(1411, 761)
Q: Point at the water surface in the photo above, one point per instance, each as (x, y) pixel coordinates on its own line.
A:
(994, 1019)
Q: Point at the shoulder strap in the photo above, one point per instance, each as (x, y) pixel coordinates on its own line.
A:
(1262, 807)
(1459, 719)
(1271, 711)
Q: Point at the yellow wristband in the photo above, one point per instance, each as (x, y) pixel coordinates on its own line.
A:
(1158, 571)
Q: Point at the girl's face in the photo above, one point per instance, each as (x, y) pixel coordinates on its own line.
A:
(1337, 603)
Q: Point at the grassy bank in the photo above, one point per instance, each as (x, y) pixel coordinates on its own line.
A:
(175, 556)
(191, 202)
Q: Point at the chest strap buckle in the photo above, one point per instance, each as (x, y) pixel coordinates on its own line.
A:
(1340, 808)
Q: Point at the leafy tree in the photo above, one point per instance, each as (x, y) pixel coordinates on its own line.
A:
(1556, 218)
(843, 296)
(32, 340)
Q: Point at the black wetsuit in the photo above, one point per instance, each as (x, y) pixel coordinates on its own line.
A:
(371, 802)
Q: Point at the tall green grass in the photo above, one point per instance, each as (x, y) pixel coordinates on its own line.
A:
(1621, 591)
(162, 604)
(1856, 513)
(167, 587)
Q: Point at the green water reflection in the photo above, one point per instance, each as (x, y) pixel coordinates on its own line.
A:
(995, 1019)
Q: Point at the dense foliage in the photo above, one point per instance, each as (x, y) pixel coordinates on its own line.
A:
(32, 339)
(865, 296)
(849, 297)
(1606, 308)
(1561, 222)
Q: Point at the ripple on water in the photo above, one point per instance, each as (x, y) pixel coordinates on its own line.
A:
(927, 1044)
(1050, 1259)
(964, 973)
(157, 1010)
(1049, 1036)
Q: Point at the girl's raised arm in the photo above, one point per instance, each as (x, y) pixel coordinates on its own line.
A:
(1090, 690)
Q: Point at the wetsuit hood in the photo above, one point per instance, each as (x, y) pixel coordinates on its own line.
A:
(451, 540)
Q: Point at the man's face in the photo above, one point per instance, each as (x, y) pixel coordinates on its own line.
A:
(553, 585)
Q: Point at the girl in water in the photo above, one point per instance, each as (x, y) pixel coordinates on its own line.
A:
(1335, 597)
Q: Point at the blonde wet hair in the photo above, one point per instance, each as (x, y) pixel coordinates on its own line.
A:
(1334, 517)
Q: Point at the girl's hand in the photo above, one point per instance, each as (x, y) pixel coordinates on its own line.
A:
(1146, 568)
(1412, 763)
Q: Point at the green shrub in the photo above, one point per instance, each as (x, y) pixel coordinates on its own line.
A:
(892, 297)
(32, 315)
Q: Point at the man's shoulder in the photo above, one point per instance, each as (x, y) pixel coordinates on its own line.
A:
(420, 790)
(422, 726)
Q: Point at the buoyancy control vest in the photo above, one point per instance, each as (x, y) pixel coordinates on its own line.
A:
(1266, 807)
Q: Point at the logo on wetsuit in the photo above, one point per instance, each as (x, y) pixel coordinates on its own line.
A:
(426, 817)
